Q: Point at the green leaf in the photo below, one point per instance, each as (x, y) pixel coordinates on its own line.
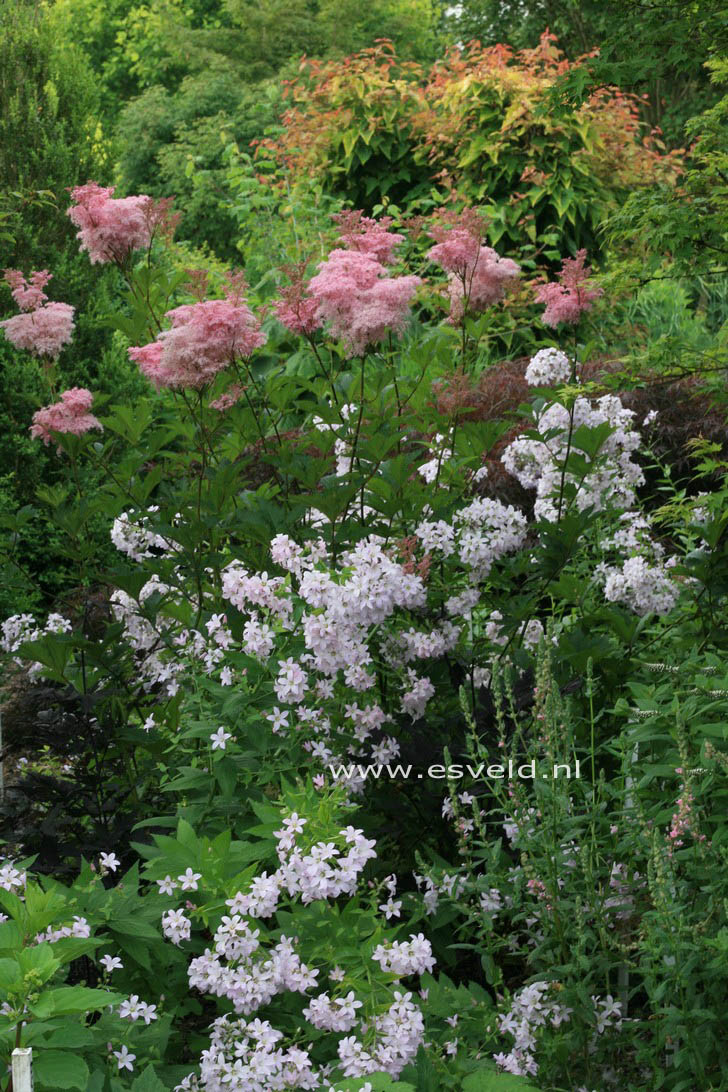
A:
(73, 999)
(59, 1069)
(490, 1080)
(10, 975)
(148, 1081)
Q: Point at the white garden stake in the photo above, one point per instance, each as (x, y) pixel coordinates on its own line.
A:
(23, 1069)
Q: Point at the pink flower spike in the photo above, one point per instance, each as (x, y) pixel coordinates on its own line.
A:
(110, 229)
(477, 275)
(42, 328)
(567, 299)
(360, 303)
(28, 295)
(204, 339)
(367, 235)
(71, 415)
(42, 332)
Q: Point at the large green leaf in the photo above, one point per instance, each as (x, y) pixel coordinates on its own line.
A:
(148, 1081)
(490, 1080)
(54, 1069)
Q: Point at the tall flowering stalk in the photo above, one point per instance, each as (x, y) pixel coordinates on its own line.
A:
(478, 276)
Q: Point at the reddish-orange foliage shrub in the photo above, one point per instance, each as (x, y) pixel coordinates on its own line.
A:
(484, 125)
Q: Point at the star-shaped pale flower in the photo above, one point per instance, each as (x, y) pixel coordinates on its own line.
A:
(391, 908)
(110, 963)
(188, 881)
(125, 1059)
(109, 861)
(220, 738)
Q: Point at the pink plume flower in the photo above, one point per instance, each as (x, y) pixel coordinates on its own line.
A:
(28, 295)
(71, 415)
(567, 299)
(296, 309)
(361, 304)
(300, 316)
(110, 229)
(42, 328)
(483, 285)
(43, 332)
(477, 275)
(367, 235)
(457, 252)
(228, 398)
(203, 340)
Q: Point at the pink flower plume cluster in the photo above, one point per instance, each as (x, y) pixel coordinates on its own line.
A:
(567, 298)
(111, 228)
(42, 328)
(361, 304)
(367, 235)
(204, 339)
(28, 294)
(71, 415)
(296, 309)
(478, 277)
(352, 291)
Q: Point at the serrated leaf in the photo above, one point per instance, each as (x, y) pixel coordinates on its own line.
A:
(54, 1069)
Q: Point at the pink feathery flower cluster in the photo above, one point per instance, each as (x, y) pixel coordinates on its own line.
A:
(352, 291)
(569, 297)
(457, 251)
(367, 235)
(110, 228)
(295, 309)
(42, 328)
(28, 294)
(477, 275)
(355, 295)
(203, 340)
(71, 415)
(299, 314)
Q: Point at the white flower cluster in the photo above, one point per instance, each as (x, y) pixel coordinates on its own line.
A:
(539, 463)
(644, 588)
(132, 536)
(160, 652)
(491, 901)
(450, 885)
(244, 972)
(418, 692)
(413, 956)
(19, 628)
(397, 1036)
(247, 1056)
(530, 1009)
(324, 872)
(341, 605)
(642, 580)
(176, 926)
(244, 1056)
(414, 644)
(547, 367)
(343, 449)
(607, 1012)
(239, 968)
(482, 533)
(441, 453)
(133, 1009)
(79, 928)
(12, 878)
(336, 1015)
